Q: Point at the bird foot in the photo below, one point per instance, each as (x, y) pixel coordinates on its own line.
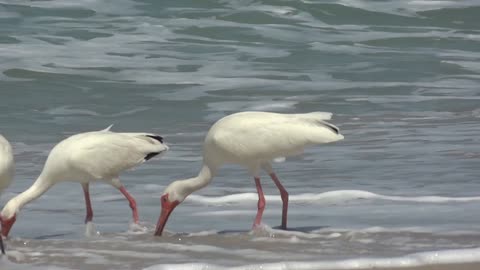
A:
(258, 227)
(137, 228)
(90, 230)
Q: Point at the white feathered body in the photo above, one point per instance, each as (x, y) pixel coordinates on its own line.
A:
(89, 156)
(6, 163)
(99, 155)
(251, 138)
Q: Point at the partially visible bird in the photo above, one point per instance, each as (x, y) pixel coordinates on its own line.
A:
(6, 170)
(85, 157)
(253, 140)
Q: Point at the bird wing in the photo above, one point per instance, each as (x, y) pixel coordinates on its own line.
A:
(106, 154)
(268, 136)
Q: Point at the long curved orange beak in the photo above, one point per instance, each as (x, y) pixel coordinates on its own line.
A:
(7, 224)
(167, 208)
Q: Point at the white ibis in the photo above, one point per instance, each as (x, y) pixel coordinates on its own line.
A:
(253, 140)
(85, 157)
(6, 171)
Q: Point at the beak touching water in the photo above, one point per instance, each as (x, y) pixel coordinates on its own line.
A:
(167, 209)
(7, 224)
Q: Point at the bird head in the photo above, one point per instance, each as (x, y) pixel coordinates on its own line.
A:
(172, 196)
(7, 224)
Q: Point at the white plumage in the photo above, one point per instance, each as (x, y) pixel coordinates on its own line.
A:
(85, 157)
(6, 171)
(6, 163)
(253, 140)
(99, 155)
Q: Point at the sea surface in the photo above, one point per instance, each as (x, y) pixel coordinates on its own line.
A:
(402, 79)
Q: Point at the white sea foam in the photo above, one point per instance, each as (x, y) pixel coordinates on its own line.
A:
(90, 230)
(66, 110)
(245, 253)
(275, 106)
(411, 260)
(468, 65)
(289, 234)
(290, 240)
(134, 228)
(329, 197)
(203, 233)
(252, 105)
(6, 264)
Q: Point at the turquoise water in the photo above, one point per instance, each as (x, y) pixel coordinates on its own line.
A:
(401, 77)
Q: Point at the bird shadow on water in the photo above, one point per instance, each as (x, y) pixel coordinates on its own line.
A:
(51, 236)
(273, 230)
(304, 229)
(262, 229)
(223, 232)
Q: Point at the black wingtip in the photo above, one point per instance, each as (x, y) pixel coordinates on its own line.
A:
(331, 127)
(151, 155)
(156, 137)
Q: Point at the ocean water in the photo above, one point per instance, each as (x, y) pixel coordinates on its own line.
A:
(402, 79)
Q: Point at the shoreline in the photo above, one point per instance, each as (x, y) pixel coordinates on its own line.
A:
(449, 266)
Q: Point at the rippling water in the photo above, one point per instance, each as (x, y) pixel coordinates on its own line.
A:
(401, 77)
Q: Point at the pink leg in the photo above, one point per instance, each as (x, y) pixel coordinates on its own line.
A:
(88, 204)
(284, 195)
(261, 203)
(132, 202)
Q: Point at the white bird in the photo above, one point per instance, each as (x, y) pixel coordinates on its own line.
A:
(6, 163)
(6, 170)
(85, 157)
(253, 140)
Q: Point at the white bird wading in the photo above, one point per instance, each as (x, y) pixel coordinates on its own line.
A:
(6, 171)
(85, 157)
(253, 140)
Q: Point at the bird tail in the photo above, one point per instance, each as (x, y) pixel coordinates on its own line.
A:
(153, 143)
(319, 118)
(330, 126)
(108, 128)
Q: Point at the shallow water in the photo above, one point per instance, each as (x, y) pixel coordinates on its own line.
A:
(401, 78)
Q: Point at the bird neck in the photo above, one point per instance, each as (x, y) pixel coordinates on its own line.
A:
(204, 177)
(15, 204)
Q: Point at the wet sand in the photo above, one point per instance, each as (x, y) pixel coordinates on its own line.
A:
(458, 266)
(9, 264)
